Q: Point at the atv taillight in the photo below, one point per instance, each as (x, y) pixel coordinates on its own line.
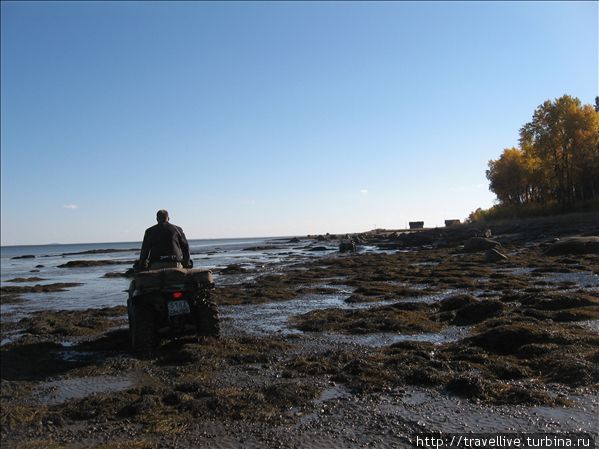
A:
(177, 295)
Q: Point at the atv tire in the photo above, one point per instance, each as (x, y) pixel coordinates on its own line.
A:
(142, 330)
(207, 319)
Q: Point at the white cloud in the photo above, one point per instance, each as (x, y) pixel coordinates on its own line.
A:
(364, 191)
(70, 206)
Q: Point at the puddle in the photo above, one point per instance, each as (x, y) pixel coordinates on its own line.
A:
(437, 296)
(273, 317)
(330, 394)
(269, 318)
(590, 324)
(426, 264)
(448, 335)
(439, 413)
(60, 391)
(580, 278)
(69, 355)
(519, 271)
(336, 392)
(11, 337)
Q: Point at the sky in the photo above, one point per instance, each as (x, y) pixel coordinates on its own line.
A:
(263, 119)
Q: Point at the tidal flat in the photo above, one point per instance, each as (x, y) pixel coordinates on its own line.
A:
(414, 332)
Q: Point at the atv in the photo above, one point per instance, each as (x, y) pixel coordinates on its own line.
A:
(170, 302)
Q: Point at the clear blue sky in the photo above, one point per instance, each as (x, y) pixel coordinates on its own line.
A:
(256, 119)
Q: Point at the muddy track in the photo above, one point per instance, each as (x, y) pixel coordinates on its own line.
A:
(344, 351)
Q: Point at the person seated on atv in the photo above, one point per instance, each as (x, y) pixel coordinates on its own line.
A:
(164, 245)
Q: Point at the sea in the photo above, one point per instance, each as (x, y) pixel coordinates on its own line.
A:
(255, 255)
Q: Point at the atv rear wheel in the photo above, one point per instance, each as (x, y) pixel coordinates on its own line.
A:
(142, 330)
(207, 319)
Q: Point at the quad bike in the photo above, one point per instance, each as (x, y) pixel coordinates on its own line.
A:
(170, 301)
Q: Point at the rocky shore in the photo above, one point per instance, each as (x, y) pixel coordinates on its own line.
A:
(412, 332)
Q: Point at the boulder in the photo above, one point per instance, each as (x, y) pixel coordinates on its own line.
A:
(506, 339)
(467, 386)
(414, 239)
(492, 255)
(359, 239)
(233, 269)
(480, 244)
(574, 245)
(347, 246)
(456, 301)
(478, 312)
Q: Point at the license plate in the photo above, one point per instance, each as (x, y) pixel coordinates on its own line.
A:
(178, 307)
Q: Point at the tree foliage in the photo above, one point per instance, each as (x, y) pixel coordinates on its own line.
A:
(557, 160)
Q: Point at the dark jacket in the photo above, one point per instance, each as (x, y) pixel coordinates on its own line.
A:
(164, 241)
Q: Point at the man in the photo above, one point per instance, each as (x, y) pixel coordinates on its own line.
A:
(164, 245)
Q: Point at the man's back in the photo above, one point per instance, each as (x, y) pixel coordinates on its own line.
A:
(165, 241)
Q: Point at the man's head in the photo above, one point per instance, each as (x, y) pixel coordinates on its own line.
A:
(162, 216)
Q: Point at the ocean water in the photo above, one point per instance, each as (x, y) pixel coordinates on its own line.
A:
(98, 291)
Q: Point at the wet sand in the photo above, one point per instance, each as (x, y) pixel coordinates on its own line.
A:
(410, 334)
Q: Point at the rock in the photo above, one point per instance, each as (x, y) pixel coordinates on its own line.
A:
(507, 338)
(31, 279)
(100, 251)
(568, 301)
(26, 256)
(467, 386)
(456, 302)
(574, 245)
(347, 246)
(480, 244)
(492, 255)
(294, 240)
(233, 269)
(57, 287)
(127, 274)
(319, 248)
(487, 234)
(413, 239)
(477, 312)
(359, 239)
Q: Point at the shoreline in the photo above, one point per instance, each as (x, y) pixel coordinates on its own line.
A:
(332, 351)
